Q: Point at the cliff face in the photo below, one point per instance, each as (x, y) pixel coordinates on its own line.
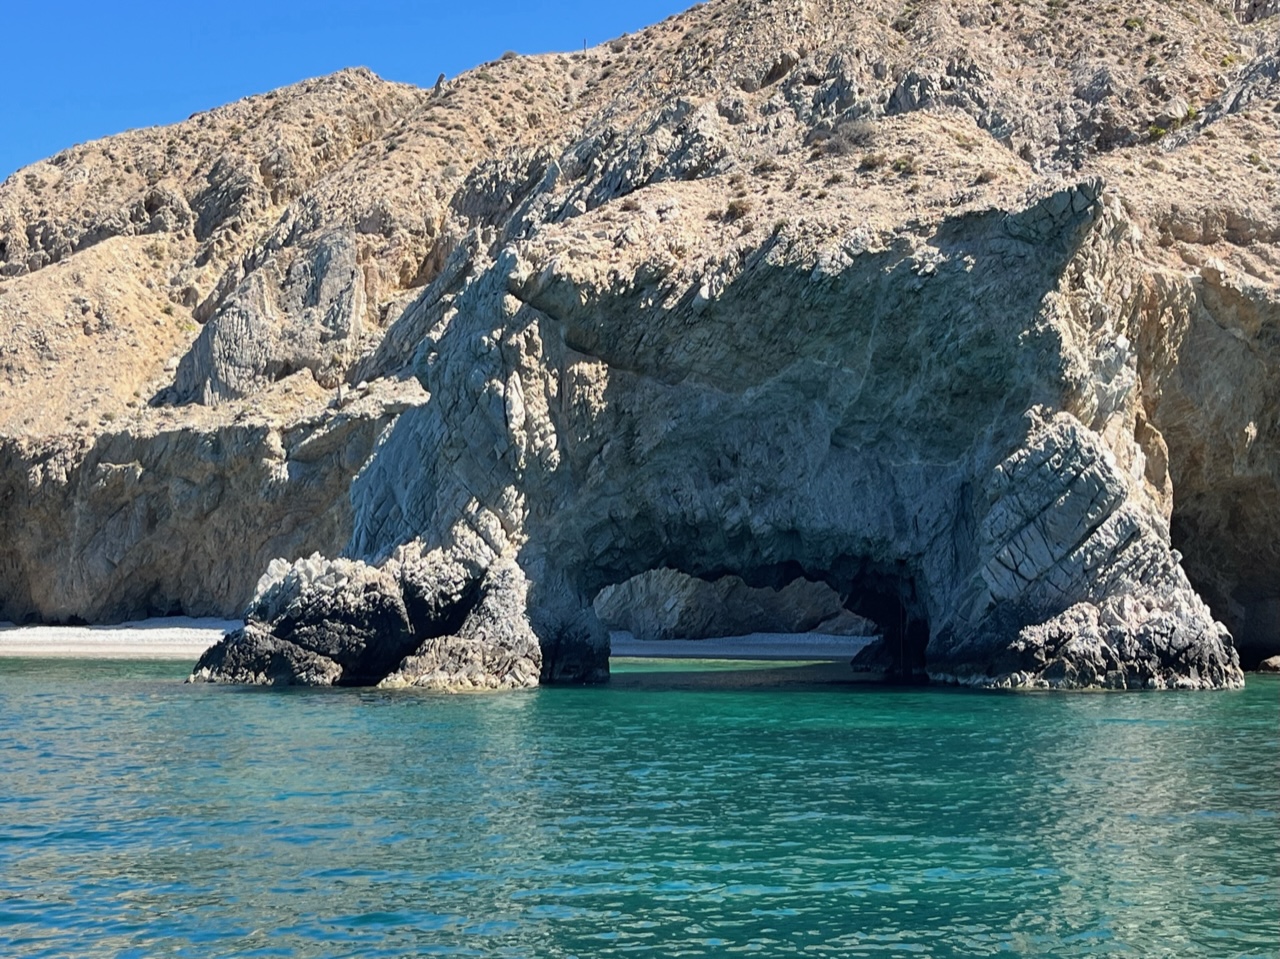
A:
(182, 516)
(960, 309)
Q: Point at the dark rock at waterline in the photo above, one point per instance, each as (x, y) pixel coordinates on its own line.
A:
(252, 656)
(417, 621)
(493, 648)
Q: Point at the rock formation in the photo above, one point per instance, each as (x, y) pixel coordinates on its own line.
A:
(667, 604)
(967, 311)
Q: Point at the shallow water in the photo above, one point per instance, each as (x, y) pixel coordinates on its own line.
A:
(684, 810)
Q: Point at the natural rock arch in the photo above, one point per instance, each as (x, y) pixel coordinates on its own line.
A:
(954, 415)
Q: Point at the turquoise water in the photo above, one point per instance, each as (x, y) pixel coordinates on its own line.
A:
(689, 813)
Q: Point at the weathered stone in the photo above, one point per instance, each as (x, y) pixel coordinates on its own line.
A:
(494, 648)
(417, 621)
(253, 657)
(143, 521)
(666, 604)
(350, 613)
(306, 311)
(967, 337)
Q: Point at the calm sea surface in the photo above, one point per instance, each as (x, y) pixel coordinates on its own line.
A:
(691, 813)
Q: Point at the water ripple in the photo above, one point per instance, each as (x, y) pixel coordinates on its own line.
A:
(665, 816)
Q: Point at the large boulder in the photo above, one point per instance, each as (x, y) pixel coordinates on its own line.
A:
(418, 620)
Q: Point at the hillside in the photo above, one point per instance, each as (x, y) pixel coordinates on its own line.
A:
(878, 240)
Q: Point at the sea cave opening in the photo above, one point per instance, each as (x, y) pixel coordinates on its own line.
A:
(870, 616)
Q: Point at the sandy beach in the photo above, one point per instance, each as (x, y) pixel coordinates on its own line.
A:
(181, 637)
(768, 646)
(173, 637)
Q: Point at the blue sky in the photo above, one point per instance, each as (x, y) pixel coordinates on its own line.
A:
(75, 71)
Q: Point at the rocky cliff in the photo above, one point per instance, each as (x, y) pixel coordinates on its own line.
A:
(968, 311)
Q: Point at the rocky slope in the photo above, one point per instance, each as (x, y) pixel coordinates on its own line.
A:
(967, 310)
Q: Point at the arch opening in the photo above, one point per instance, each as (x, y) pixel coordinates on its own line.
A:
(871, 617)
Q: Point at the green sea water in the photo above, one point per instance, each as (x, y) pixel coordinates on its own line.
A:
(690, 810)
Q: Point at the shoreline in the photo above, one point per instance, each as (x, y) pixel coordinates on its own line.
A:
(779, 647)
(172, 637)
(184, 637)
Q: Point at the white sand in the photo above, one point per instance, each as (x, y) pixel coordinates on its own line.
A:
(779, 646)
(182, 637)
(171, 637)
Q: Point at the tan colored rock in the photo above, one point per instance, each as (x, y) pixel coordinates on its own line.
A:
(181, 515)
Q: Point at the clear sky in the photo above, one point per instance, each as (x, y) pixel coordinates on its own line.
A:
(81, 69)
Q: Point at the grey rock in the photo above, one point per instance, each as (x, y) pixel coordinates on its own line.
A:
(494, 648)
(419, 620)
(964, 536)
(253, 657)
(351, 614)
(141, 521)
(299, 311)
(667, 604)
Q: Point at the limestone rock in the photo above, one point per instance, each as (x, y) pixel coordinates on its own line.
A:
(966, 312)
(417, 621)
(143, 521)
(311, 317)
(494, 648)
(666, 604)
(253, 657)
(1270, 665)
(1251, 10)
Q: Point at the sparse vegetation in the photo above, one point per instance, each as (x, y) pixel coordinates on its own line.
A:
(738, 208)
(849, 137)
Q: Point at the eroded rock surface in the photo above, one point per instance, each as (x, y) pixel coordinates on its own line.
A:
(181, 515)
(417, 621)
(667, 604)
(965, 311)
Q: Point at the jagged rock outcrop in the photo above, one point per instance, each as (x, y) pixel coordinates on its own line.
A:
(424, 621)
(1251, 10)
(667, 604)
(966, 311)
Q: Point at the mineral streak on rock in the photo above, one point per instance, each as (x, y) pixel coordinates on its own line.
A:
(966, 312)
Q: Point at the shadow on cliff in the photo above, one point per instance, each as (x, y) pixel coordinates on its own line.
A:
(821, 420)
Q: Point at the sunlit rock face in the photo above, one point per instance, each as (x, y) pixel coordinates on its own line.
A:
(945, 430)
(967, 313)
